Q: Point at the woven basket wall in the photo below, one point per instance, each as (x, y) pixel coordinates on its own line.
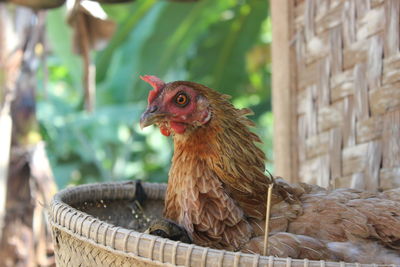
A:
(346, 64)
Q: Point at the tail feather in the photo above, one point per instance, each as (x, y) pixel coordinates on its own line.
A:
(290, 245)
(365, 251)
(304, 247)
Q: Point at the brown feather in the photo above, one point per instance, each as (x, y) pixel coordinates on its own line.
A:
(217, 192)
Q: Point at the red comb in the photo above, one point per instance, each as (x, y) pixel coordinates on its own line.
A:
(156, 83)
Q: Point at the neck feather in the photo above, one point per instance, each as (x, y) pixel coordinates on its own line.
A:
(226, 148)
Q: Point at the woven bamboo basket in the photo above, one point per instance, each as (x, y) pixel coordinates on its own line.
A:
(103, 239)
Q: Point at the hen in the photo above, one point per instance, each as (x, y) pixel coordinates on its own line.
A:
(217, 188)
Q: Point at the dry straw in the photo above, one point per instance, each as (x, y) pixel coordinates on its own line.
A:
(267, 215)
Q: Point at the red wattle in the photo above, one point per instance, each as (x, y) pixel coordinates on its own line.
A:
(178, 127)
(164, 131)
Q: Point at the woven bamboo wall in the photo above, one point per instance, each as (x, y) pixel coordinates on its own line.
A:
(346, 69)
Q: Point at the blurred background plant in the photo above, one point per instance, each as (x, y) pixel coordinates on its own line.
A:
(223, 44)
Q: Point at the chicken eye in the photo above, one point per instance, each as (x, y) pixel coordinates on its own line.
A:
(182, 99)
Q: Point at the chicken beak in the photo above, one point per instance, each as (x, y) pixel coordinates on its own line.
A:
(149, 117)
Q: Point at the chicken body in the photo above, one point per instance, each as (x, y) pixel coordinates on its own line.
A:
(217, 188)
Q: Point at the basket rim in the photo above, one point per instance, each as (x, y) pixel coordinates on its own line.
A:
(145, 247)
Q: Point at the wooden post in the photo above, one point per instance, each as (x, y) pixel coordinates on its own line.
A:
(5, 121)
(283, 98)
(5, 144)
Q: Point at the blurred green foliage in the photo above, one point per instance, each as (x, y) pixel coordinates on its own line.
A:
(222, 44)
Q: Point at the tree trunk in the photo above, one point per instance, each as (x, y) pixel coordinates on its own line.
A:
(25, 238)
